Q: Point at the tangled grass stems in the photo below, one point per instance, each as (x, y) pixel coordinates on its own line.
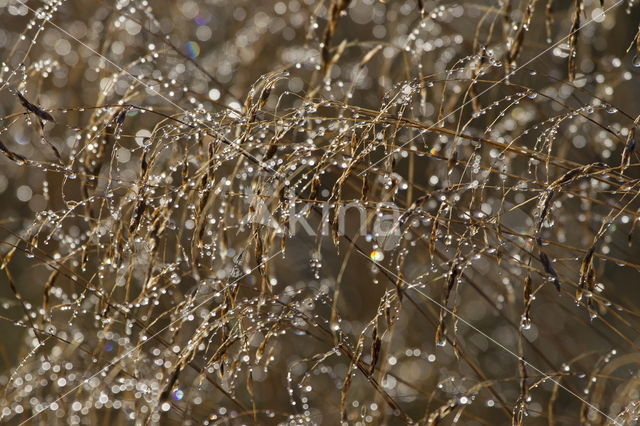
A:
(303, 133)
